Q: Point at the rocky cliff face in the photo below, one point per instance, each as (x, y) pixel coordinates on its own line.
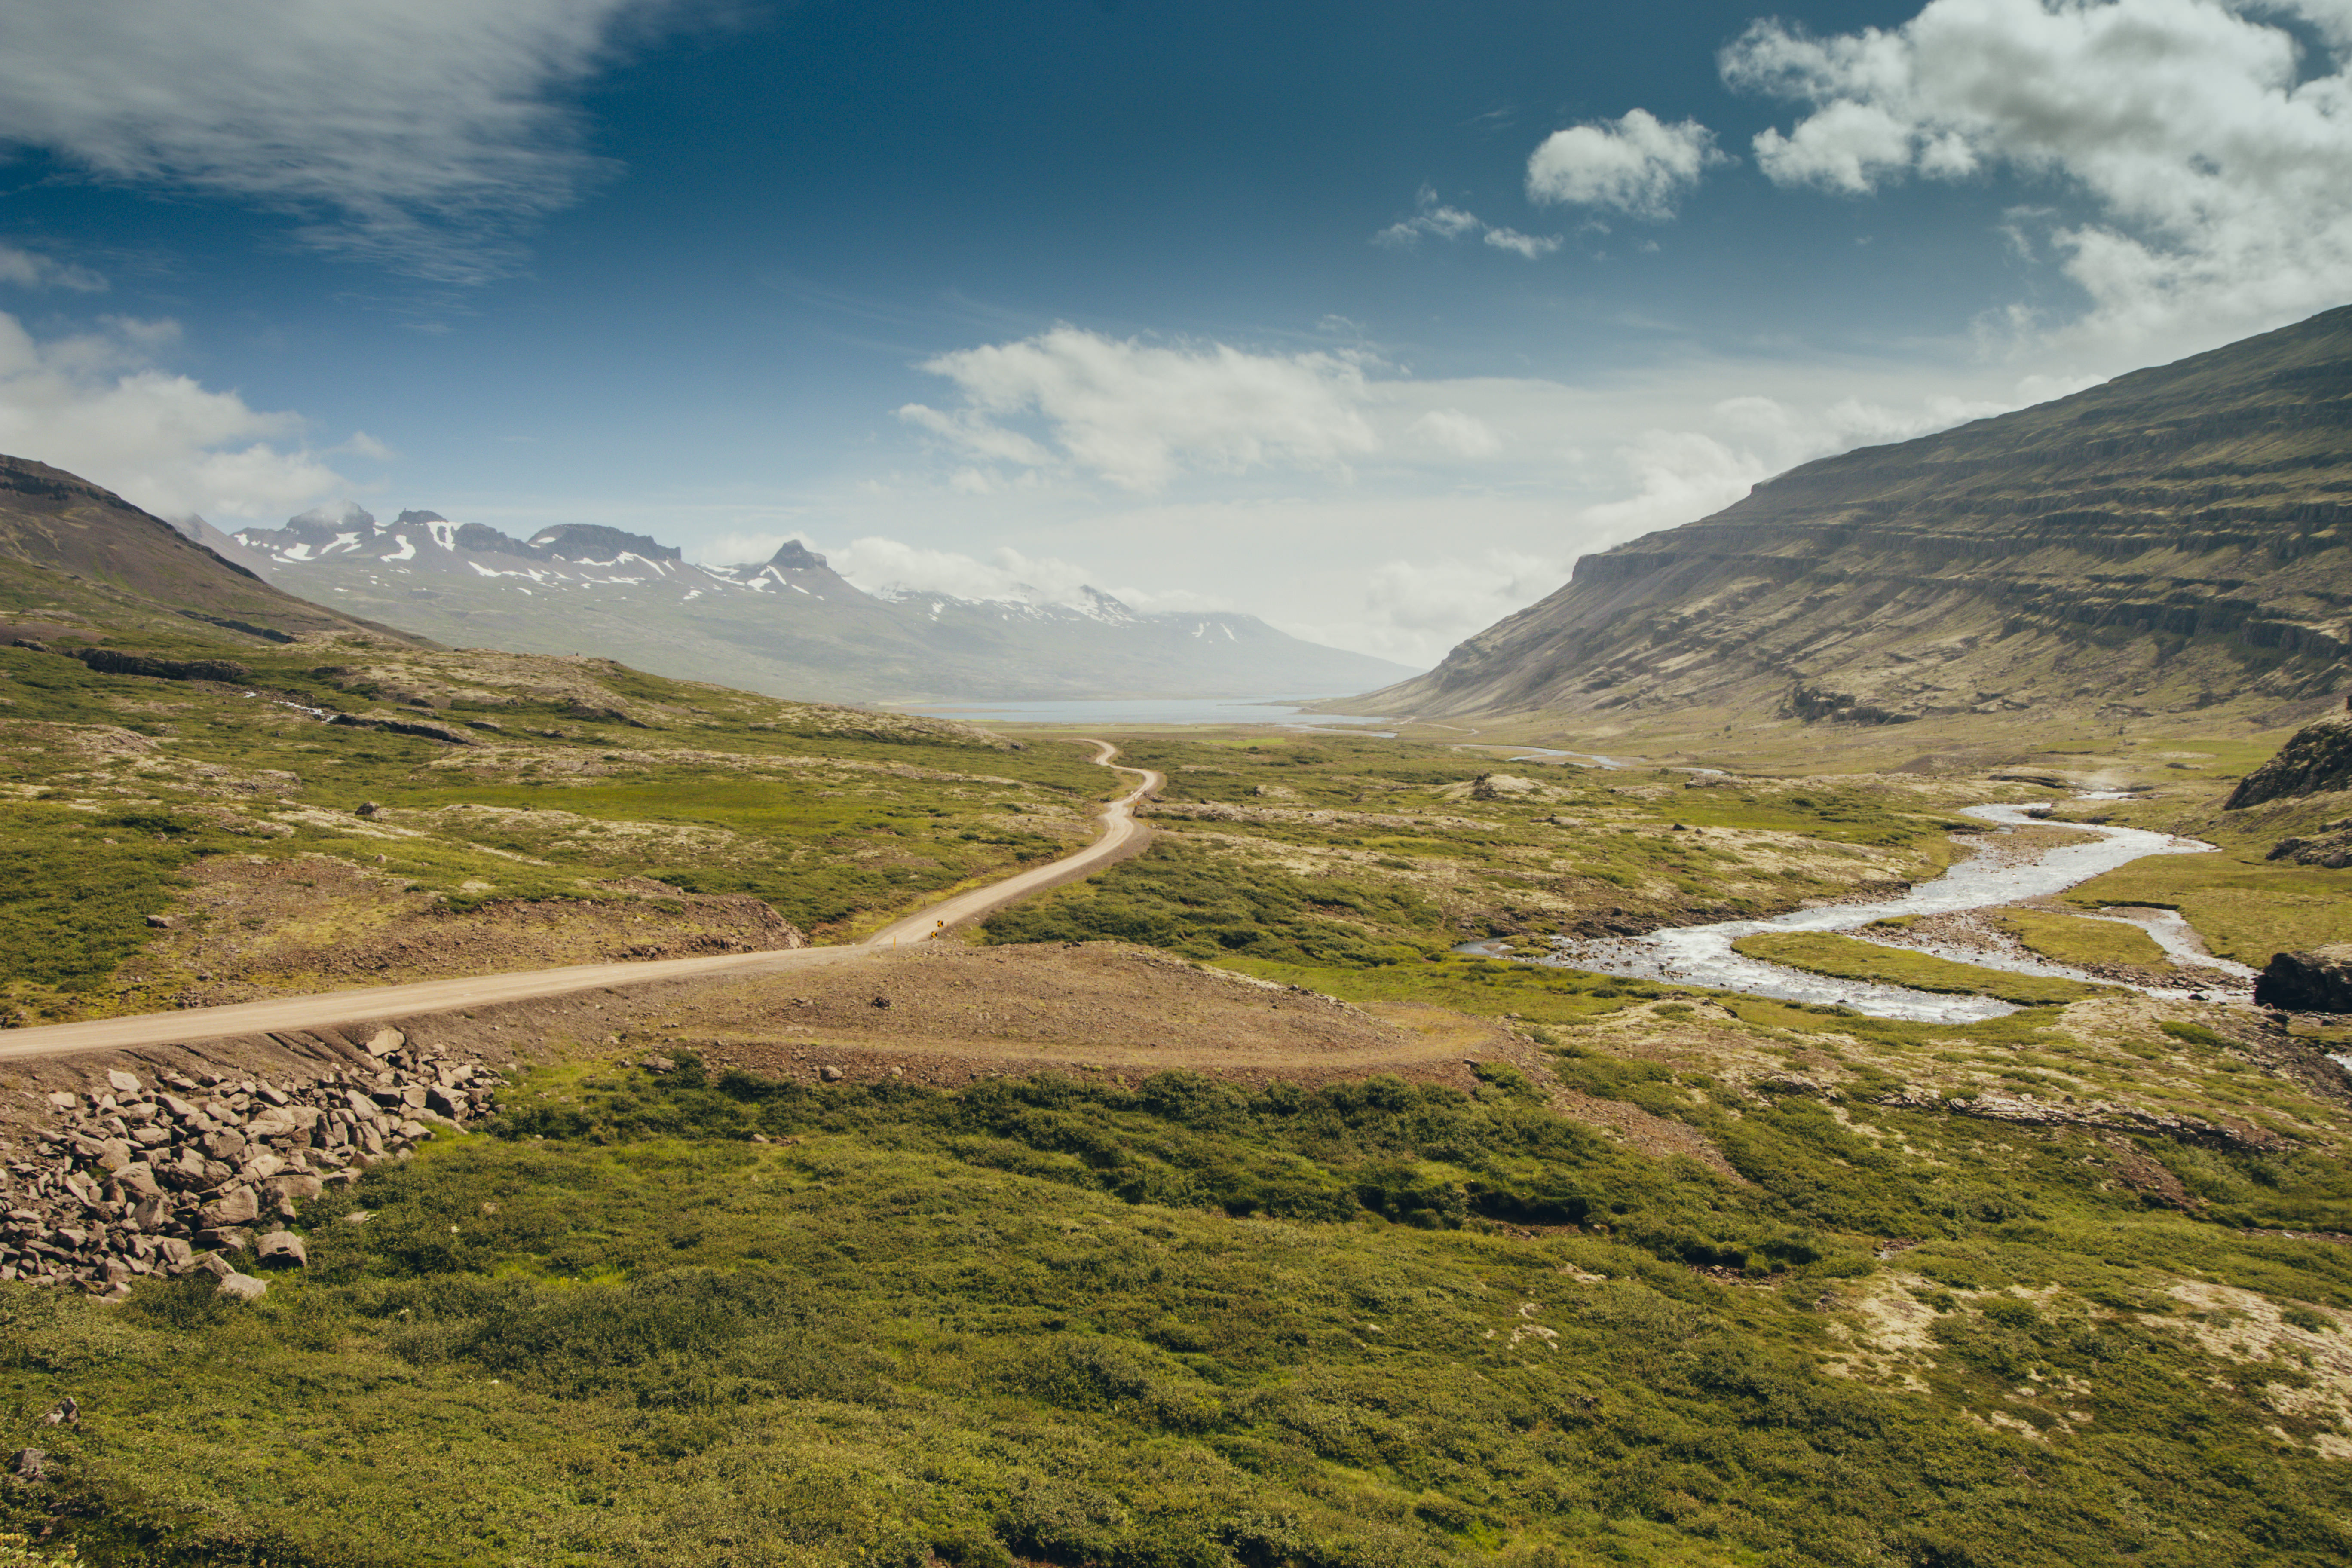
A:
(2176, 538)
(2317, 757)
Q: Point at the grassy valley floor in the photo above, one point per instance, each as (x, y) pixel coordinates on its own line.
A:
(1176, 1323)
(1213, 1213)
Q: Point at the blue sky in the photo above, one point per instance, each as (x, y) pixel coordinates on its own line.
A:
(1365, 317)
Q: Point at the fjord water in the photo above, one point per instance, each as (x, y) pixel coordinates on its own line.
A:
(1702, 956)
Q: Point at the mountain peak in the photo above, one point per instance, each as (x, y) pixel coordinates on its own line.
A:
(581, 541)
(795, 556)
(334, 517)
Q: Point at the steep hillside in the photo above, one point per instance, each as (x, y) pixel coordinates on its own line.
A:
(2174, 539)
(72, 553)
(789, 626)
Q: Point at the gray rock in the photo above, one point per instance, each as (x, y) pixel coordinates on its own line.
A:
(223, 1239)
(123, 1082)
(281, 1249)
(173, 1252)
(213, 1264)
(25, 1464)
(829, 1074)
(239, 1206)
(226, 1144)
(2319, 981)
(385, 1042)
(295, 1186)
(2315, 758)
(243, 1286)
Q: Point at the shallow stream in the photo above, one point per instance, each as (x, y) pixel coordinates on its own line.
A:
(1702, 956)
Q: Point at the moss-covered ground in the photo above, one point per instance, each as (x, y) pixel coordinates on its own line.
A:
(1848, 958)
(590, 782)
(2067, 939)
(1175, 1324)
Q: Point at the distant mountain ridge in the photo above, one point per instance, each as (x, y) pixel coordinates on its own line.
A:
(790, 625)
(2173, 539)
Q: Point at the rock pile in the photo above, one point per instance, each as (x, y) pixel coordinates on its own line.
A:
(189, 1172)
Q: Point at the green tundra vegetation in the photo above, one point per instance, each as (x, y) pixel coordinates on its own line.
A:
(1846, 958)
(1709, 1281)
(553, 780)
(1340, 852)
(2068, 939)
(1174, 1324)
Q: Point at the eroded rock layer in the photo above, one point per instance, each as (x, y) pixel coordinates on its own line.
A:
(2175, 539)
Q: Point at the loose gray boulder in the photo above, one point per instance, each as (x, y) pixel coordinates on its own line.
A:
(244, 1287)
(2319, 981)
(281, 1249)
(236, 1207)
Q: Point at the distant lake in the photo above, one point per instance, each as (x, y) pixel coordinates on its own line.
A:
(1113, 712)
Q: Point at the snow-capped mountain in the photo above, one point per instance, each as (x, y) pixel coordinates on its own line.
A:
(790, 625)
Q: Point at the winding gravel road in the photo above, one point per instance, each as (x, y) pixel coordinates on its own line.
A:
(383, 1003)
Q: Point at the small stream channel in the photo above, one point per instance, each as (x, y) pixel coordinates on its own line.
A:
(1702, 956)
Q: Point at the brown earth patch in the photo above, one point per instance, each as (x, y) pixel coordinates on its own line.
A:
(956, 1014)
(251, 927)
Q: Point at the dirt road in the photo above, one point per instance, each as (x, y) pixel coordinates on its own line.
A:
(340, 1009)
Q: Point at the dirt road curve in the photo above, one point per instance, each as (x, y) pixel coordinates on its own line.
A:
(339, 1009)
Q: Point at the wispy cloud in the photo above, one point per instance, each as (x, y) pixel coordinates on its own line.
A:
(1137, 414)
(422, 136)
(30, 269)
(1436, 220)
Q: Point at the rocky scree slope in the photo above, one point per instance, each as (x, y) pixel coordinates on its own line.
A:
(2177, 538)
(204, 1171)
(790, 626)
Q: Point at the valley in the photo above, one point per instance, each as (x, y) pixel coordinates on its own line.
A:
(482, 1106)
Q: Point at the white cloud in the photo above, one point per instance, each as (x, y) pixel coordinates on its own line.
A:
(1531, 245)
(1636, 164)
(94, 406)
(1137, 414)
(419, 135)
(1445, 600)
(2215, 157)
(29, 269)
(1674, 477)
(1458, 434)
(1436, 220)
(877, 565)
